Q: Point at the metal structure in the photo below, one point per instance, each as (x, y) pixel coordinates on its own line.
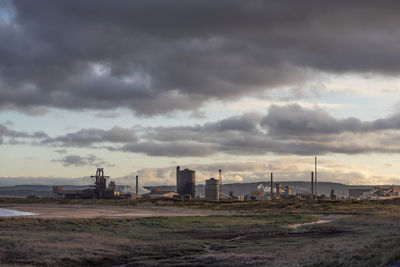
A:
(212, 189)
(278, 190)
(315, 174)
(333, 194)
(100, 183)
(186, 182)
(178, 169)
(272, 185)
(312, 184)
(288, 192)
(137, 185)
(98, 190)
(220, 180)
(376, 192)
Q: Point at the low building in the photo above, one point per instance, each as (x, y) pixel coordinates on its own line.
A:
(377, 192)
(357, 192)
(159, 193)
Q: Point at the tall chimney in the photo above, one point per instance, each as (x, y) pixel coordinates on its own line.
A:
(177, 178)
(312, 184)
(315, 175)
(272, 187)
(220, 181)
(137, 184)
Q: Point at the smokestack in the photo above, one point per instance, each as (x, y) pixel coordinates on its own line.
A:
(137, 185)
(312, 184)
(177, 177)
(220, 180)
(272, 182)
(315, 175)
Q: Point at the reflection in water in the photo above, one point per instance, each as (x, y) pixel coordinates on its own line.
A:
(8, 213)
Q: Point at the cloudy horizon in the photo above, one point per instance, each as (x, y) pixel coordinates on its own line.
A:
(249, 87)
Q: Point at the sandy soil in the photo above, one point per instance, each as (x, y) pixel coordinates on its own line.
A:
(94, 211)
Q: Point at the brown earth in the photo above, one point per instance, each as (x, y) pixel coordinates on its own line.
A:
(54, 211)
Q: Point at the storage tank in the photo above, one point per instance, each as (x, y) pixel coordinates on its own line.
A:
(186, 182)
(212, 189)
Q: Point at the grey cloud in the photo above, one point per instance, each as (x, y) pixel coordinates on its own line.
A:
(246, 124)
(287, 130)
(78, 161)
(171, 149)
(61, 151)
(86, 137)
(155, 57)
(6, 131)
(296, 122)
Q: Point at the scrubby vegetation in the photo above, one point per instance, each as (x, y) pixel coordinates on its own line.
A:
(370, 237)
(355, 207)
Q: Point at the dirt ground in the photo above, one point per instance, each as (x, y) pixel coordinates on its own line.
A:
(53, 211)
(322, 218)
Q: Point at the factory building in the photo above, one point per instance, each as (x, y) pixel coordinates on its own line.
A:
(185, 182)
(333, 195)
(377, 192)
(278, 190)
(212, 189)
(159, 193)
(98, 190)
(357, 192)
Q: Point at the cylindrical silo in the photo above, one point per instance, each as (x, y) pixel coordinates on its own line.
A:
(212, 189)
(186, 184)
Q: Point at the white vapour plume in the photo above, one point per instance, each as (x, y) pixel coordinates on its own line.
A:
(266, 189)
(127, 184)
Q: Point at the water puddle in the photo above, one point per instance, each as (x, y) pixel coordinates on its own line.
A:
(11, 213)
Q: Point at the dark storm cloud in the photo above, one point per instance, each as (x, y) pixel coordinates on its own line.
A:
(158, 56)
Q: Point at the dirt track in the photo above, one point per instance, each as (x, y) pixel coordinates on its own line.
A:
(321, 219)
(95, 211)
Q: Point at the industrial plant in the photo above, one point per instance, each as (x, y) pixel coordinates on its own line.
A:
(98, 190)
(186, 190)
(376, 192)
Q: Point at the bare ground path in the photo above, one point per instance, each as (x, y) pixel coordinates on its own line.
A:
(53, 211)
(322, 218)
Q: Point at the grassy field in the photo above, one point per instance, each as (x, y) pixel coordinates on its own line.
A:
(354, 207)
(371, 237)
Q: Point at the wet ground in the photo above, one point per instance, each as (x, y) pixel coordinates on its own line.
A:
(11, 213)
(53, 211)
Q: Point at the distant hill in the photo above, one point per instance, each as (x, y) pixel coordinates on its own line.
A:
(23, 191)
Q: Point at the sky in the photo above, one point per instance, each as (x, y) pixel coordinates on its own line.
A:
(249, 87)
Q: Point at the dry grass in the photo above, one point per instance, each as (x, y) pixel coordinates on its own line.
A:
(368, 238)
(354, 207)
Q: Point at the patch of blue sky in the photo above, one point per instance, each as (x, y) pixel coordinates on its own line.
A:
(7, 13)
